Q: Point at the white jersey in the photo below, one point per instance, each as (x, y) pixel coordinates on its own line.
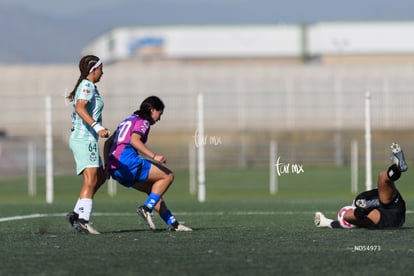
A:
(80, 129)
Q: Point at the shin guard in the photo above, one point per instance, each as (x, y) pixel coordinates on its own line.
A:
(393, 173)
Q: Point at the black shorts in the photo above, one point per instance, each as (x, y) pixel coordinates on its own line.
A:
(392, 215)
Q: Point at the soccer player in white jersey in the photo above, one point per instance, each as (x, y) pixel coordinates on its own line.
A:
(86, 130)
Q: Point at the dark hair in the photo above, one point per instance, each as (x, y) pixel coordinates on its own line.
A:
(85, 65)
(149, 103)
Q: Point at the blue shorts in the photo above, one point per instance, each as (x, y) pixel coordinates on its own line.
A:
(137, 171)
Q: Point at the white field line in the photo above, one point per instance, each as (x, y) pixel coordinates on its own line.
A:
(241, 213)
(245, 213)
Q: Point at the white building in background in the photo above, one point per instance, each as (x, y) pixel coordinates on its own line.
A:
(361, 42)
(326, 42)
(198, 42)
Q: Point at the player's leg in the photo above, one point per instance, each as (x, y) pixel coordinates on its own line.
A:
(387, 192)
(162, 209)
(94, 176)
(386, 179)
(366, 214)
(79, 218)
(101, 179)
(168, 217)
(367, 220)
(161, 179)
(386, 187)
(158, 181)
(321, 220)
(392, 216)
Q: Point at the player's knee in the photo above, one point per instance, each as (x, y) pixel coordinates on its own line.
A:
(170, 178)
(349, 216)
(360, 213)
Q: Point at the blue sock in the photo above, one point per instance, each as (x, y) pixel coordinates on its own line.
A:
(168, 217)
(152, 200)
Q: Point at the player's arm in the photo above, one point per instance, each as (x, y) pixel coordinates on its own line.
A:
(142, 148)
(81, 110)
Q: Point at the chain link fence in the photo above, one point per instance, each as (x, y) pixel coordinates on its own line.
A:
(314, 112)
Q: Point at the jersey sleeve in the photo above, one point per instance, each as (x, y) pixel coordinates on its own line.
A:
(141, 127)
(86, 90)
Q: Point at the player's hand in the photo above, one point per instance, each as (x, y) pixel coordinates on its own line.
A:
(161, 159)
(104, 133)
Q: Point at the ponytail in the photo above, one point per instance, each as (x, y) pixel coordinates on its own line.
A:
(86, 65)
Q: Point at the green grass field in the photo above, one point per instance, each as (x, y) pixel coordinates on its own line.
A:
(239, 230)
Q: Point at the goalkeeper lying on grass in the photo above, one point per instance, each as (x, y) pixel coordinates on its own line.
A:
(378, 208)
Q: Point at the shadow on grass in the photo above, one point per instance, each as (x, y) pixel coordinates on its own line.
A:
(159, 230)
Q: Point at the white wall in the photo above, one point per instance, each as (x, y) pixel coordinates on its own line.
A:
(361, 38)
(251, 96)
(258, 41)
(203, 41)
(232, 41)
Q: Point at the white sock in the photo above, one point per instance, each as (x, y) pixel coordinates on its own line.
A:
(85, 208)
(329, 222)
(77, 205)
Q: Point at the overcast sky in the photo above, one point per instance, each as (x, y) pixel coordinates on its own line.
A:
(54, 31)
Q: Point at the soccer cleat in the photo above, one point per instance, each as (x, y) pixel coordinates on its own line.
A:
(179, 228)
(72, 217)
(398, 158)
(146, 216)
(321, 221)
(84, 226)
(367, 204)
